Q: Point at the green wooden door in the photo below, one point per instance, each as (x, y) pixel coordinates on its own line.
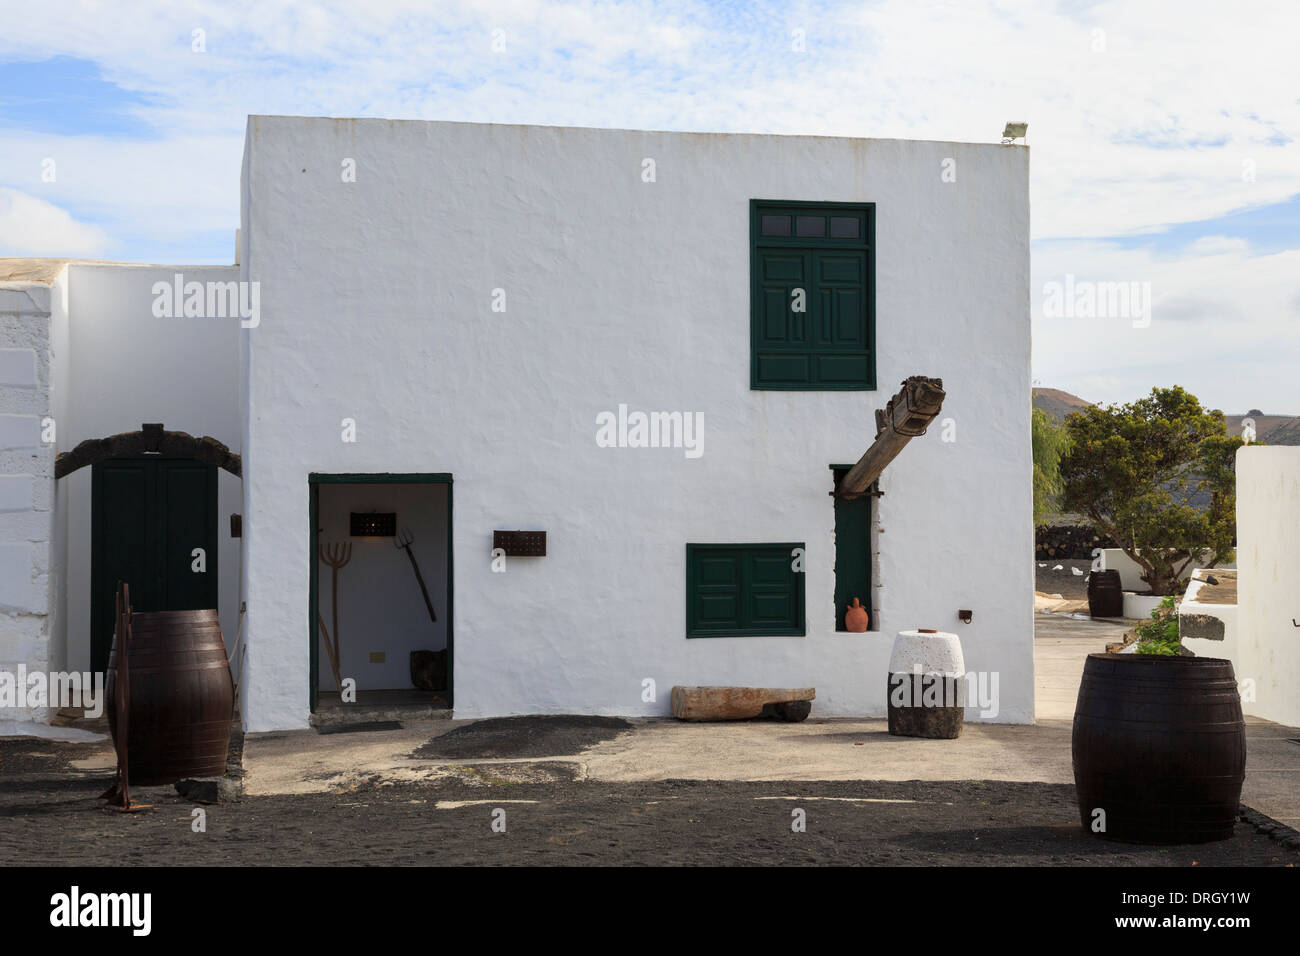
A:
(148, 515)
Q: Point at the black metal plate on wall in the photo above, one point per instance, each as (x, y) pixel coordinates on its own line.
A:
(373, 524)
(524, 544)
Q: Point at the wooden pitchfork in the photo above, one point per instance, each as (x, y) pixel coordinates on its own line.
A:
(403, 542)
(336, 556)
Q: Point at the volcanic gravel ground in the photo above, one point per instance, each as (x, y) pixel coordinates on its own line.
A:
(49, 813)
(1071, 586)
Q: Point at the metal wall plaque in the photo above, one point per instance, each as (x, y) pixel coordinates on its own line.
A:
(524, 544)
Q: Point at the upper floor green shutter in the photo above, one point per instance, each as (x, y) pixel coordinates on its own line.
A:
(812, 298)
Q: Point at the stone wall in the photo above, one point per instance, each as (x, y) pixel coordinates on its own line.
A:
(29, 313)
(1069, 541)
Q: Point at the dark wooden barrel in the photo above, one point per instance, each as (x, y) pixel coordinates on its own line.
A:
(1105, 595)
(1159, 744)
(182, 697)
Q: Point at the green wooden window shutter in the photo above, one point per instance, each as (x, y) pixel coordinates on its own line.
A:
(744, 590)
(812, 295)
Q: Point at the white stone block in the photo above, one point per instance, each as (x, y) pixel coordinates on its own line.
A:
(16, 563)
(16, 493)
(20, 431)
(926, 652)
(18, 367)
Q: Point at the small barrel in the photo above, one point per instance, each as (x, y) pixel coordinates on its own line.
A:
(1159, 748)
(182, 697)
(1105, 594)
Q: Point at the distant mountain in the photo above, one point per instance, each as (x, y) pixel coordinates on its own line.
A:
(1058, 404)
(1269, 429)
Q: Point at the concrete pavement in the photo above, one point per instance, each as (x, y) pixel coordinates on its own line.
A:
(1060, 646)
(663, 749)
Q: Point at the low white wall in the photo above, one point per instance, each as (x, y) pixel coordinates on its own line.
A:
(29, 315)
(1130, 572)
(1139, 606)
(1226, 614)
(1268, 580)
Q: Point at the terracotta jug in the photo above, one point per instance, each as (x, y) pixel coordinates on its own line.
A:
(856, 618)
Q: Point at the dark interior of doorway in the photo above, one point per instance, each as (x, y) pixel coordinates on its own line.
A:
(375, 562)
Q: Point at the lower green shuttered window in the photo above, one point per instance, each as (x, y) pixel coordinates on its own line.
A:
(745, 590)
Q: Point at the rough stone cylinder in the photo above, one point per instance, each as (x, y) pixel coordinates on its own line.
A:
(926, 690)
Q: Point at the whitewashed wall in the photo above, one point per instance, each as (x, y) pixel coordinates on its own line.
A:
(60, 402)
(32, 316)
(376, 305)
(1268, 579)
(1224, 646)
(129, 367)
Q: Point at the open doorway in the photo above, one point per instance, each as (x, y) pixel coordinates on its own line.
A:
(381, 590)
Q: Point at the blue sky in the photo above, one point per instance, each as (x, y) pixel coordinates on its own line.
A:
(66, 96)
(1164, 150)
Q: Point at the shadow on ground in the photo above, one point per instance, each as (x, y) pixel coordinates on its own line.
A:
(530, 736)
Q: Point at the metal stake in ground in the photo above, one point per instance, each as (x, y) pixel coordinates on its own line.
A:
(119, 795)
(403, 542)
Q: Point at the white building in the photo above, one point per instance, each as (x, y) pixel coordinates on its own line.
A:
(1259, 631)
(459, 325)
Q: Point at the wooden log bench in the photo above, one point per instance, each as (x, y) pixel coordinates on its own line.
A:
(741, 703)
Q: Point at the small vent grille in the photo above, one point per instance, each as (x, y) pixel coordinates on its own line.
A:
(374, 525)
(528, 544)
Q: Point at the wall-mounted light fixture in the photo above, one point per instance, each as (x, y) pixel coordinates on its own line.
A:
(374, 524)
(1014, 131)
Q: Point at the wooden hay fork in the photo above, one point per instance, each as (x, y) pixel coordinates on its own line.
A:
(336, 555)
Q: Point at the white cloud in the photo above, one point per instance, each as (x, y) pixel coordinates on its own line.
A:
(1146, 131)
(1224, 324)
(161, 190)
(1219, 245)
(1169, 114)
(33, 227)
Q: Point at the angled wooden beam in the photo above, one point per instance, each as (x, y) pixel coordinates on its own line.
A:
(906, 416)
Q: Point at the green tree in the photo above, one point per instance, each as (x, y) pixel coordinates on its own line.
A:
(1050, 442)
(1136, 469)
